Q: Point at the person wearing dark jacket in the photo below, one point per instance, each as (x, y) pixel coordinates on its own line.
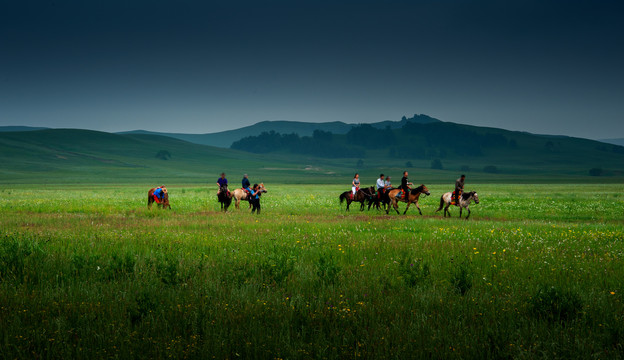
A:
(459, 188)
(245, 182)
(405, 185)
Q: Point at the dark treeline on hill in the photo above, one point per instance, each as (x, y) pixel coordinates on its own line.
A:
(321, 144)
(430, 140)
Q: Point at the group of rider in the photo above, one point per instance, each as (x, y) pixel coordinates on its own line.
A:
(383, 185)
(253, 192)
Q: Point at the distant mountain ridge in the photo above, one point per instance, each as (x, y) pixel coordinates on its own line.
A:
(20, 128)
(439, 149)
(226, 138)
(617, 141)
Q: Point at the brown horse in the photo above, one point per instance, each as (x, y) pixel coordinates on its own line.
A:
(164, 203)
(360, 196)
(412, 198)
(241, 194)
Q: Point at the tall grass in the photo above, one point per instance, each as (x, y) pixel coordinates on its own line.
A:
(91, 273)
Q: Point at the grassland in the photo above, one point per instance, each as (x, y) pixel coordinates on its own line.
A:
(89, 272)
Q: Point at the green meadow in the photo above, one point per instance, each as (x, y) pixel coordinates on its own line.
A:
(89, 272)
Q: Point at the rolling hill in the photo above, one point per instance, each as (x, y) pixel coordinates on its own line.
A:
(76, 156)
(433, 151)
(445, 145)
(226, 138)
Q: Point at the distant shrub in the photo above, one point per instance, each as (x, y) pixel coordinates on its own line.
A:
(490, 169)
(595, 171)
(436, 164)
(163, 155)
(555, 305)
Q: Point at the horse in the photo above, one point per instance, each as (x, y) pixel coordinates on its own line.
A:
(379, 199)
(360, 196)
(165, 201)
(464, 202)
(412, 198)
(224, 197)
(241, 194)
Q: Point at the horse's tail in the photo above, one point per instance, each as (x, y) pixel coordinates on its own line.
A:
(441, 203)
(343, 197)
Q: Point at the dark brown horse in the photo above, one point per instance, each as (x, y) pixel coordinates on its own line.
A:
(164, 203)
(360, 196)
(412, 198)
(224, 197)
(379, 198)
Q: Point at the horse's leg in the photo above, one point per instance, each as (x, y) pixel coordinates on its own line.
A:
(446, 210)
(467, 209)
(460, 211)
(348, 203)
(407, 207)
(418, 207)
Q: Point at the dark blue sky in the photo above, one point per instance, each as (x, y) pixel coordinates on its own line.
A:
(202, 66)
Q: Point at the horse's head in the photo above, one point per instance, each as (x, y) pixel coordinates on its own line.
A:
(475, 197)
(165, 201)
(261, 188)
(424, 189)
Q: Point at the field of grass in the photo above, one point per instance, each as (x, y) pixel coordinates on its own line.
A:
(89, 272)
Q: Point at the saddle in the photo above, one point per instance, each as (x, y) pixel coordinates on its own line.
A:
(453, 197)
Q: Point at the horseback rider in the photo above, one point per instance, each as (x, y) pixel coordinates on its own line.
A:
(222, 182)
(405, 186)
(459, 188)
(159, 194)
(387, 184)
(381, 186)
(246, 184)
(355, 185)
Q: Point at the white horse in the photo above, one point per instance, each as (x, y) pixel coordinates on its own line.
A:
(464, 202)
(240, 194)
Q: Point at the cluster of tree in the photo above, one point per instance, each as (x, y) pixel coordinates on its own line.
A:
(319, 144)
(414, 140)
(369, 137)
(459, 139)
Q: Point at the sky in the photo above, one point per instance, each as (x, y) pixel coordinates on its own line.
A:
(548, 67)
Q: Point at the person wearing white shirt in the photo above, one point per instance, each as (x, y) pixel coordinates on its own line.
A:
(381, 186)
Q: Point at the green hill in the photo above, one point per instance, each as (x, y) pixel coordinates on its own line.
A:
(75, 156)
(443, 145)
(433, 152)
(226, 138)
